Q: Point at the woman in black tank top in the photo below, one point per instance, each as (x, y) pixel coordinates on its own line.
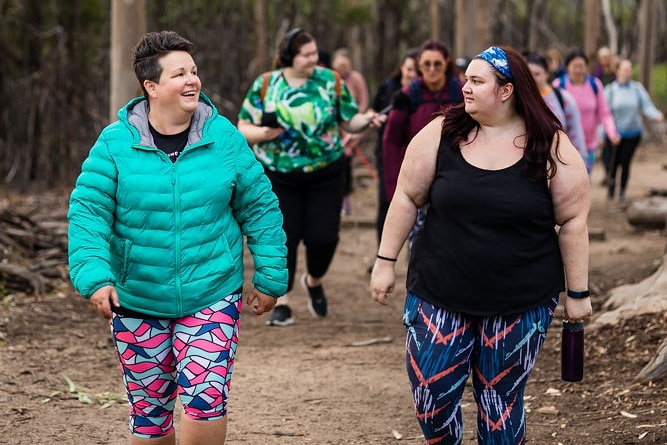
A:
(506, 230)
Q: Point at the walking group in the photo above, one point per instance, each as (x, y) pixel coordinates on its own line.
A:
(483, 170)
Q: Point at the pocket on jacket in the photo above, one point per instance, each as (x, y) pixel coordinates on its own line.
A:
(120, 254)
(228, 263)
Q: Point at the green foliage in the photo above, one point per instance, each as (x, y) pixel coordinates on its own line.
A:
(659, 86)
(354, 12)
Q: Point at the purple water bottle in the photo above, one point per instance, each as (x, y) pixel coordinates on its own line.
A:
(572, 352)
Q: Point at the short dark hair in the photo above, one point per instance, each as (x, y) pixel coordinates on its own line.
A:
(575, 54)
(537, 59)
(151, 48)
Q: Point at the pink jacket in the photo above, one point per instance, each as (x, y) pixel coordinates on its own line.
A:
(593, 109)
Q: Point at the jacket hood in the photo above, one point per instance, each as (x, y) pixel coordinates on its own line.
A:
(135, 113)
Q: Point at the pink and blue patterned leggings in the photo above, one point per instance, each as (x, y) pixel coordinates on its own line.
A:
(192, 356)
(444, 347)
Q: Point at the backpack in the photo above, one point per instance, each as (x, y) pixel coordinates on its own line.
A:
(400, 100)
(590, 79)
(559, 96)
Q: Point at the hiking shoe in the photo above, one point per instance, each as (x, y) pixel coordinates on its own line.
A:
(281, 316)
(317, 303)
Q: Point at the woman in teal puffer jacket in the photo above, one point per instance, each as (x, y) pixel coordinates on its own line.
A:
(157, 225)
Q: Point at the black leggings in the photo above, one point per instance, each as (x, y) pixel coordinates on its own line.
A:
(621, 156)
(311, 205)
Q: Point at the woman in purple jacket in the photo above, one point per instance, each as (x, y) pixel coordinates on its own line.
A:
(436, 88)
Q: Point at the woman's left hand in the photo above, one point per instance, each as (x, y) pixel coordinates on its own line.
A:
(263, 303)
(615, 140)
(578, 309)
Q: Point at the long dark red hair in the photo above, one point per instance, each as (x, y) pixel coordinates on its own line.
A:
(541, 124)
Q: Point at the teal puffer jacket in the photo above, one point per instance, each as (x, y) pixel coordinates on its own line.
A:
(170, 235)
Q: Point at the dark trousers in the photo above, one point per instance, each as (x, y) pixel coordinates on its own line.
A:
(311, 205)
(621, 156)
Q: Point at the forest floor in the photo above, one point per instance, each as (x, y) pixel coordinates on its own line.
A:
(310, 384)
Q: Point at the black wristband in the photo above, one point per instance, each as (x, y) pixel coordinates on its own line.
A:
(582, 294)
(393, 260)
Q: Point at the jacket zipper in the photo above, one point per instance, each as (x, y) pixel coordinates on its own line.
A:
(177, 237)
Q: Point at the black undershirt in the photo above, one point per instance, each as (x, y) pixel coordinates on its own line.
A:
(171, 144)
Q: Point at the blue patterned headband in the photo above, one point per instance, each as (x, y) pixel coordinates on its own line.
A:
(497, 57)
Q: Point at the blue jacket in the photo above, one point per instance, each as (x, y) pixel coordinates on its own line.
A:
(170, 235)
(627, 103)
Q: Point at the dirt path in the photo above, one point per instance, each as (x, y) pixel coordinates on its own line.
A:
(305, 384)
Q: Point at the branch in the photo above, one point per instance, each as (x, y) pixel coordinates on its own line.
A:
(36, 281)
(657, 367)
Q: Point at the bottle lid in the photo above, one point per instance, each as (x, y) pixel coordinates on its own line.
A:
(572, 326)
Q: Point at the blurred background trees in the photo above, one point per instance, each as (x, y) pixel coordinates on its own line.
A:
(55, 69)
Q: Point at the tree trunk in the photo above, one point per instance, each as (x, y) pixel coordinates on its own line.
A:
(609, 24)
(646, 41)
(536, 11)
(473, 26)
(128, 24)
(592, 28)
(259, 63)
(435, 20)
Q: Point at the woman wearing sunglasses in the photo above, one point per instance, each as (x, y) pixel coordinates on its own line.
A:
(436, 88)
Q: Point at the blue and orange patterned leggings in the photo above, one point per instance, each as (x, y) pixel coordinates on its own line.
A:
(443, 347)
(192, 356)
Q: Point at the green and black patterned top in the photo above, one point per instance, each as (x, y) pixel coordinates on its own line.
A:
(310, 114)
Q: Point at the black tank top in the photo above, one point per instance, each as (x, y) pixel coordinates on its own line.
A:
(488, 245)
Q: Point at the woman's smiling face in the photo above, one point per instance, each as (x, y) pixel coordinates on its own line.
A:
(306, 59)
(179, 84)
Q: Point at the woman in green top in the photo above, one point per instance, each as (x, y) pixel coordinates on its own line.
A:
(291, 117)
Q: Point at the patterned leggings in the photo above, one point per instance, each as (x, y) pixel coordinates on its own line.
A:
(193, 356)
(441, 349)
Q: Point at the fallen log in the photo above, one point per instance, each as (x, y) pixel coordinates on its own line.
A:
(33, 280)
(648, 212)
(33, 248)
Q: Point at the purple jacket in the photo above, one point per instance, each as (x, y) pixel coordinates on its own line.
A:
(403, 124)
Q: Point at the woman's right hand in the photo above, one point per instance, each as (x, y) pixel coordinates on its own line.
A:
(102, 300)
(255, 134)
(270, 133)
(383, 279)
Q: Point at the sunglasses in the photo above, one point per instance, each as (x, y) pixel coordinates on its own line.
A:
(427, 64)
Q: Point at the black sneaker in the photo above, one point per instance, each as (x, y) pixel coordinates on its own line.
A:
(281, 316)
(317, 303)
